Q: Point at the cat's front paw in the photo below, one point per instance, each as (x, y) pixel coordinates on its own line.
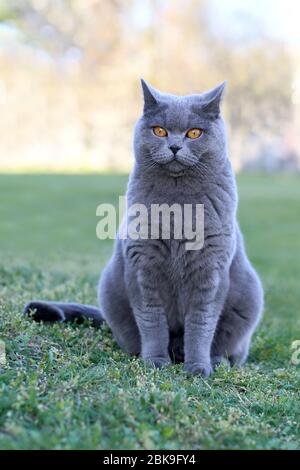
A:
(157, 362)
(197, 368)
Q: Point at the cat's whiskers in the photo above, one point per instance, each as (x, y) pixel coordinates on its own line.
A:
(201, 169)
(149, 165)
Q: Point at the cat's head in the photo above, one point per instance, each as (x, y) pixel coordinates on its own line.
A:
(180, 135)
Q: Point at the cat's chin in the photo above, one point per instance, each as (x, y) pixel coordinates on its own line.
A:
(175, 169)
(177, 174)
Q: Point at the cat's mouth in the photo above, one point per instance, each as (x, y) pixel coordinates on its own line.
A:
(176, 174)
(175, 169)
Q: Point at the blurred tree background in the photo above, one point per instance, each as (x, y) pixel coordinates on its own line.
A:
(69, 90)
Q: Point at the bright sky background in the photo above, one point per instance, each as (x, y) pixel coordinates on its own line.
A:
(240, 18)
(279, 18)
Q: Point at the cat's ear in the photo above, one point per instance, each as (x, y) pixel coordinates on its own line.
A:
(151, 96)
(211, 100)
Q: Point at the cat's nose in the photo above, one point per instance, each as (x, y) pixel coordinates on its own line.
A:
(175, 148)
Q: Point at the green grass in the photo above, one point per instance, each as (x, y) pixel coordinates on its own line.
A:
(70, 387)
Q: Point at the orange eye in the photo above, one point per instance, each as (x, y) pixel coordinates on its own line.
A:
(194, 133)
(160, 131)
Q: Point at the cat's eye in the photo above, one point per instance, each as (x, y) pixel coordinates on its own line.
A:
(159, 131)
(194, 133)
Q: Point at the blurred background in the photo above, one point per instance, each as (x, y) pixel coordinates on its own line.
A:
(69, 77)
(69, 97)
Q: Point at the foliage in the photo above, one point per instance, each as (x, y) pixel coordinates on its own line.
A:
(77, 64)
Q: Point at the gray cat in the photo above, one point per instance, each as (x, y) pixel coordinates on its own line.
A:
(161, 301)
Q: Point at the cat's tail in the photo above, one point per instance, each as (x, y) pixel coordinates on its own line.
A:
(63, 312)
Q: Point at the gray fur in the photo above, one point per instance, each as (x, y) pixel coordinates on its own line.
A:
(160, 300)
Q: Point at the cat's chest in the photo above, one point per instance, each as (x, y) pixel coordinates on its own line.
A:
(183, 272)
(179, 262)
(179, 278)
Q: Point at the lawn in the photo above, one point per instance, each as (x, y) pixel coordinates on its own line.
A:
(70, 387)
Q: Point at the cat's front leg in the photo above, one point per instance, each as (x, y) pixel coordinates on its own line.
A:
(200, 325)
(151, 320)
(153, 328)
(199, 331)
